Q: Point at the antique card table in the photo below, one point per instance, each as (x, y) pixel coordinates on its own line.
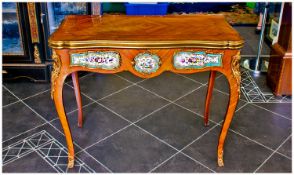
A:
(145, 46)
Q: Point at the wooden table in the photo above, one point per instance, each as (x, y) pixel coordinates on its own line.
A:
(145, 46)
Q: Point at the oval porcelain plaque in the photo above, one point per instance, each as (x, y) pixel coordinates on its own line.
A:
(146, 63)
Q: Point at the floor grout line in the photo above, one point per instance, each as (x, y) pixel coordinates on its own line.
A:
(42, 157)
(134, 123)
(190, 79)
(98, 162)
(44, 119)
(10, 104)
(254, 88)
(180, 151)
(220, 125)
(272, 153)
(167, 144)
(87, 147)
(132, 84)
(271, 111)
(171, 102)
(182, 75)
(92, 102)
(36, 94)
(82, 77)
(130, 80)
(28, 131)
(50, 121)
(257, 142)
(146, 131)
(40, 92)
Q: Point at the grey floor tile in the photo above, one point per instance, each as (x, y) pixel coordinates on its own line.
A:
(56, 134)
(251, 41)
(240, 154)
(81, 74)
(284, 109)
(254, 45)
(196, 102)
(44, 105)
(175, 125)
(98, 123)
(201, 77)
(247, 32)
(277, 164)
(261, 82)
(261, 125)
(286, 148)
(170, 85)
(31, 163)
(91, 162)
(247, 50)
(100, 85)
(181, 164)
(129, 76)
(131, 150)
(133, 103)
(7, 97)
(23, 89)
(222, 84)
(18, 118)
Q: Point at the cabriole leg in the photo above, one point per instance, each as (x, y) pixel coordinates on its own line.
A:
(57, 80)
(208, 96)
(234, 79)
(75, 80)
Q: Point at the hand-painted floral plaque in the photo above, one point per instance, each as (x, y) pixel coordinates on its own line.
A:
(146, 63)
(196, 60)
(107, 60)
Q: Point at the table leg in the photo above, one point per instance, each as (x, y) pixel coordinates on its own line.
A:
(61, 113)
(57, 81)
(75, 80)
(234, 78)
(208, 96)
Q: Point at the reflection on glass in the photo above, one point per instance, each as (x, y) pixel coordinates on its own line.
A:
(12, 40)
(58, 10)
(274, 13)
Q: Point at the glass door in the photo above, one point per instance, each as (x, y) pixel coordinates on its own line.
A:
(54, 12)
(58, 10)
(16, 42)
(274, 14)
(12, 41)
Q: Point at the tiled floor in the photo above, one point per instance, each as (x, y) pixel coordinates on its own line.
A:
(146, 125)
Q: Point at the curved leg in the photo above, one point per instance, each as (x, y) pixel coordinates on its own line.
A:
(57, 80)
(234, 79)
(75, 81)
(208, 96)
(61, 113)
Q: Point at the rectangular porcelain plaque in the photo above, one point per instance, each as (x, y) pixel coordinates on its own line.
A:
(196, 60)
(107, 60)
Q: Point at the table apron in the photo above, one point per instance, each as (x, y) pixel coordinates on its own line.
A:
(130, 61)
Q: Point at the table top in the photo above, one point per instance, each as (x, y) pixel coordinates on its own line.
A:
(121, 31)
